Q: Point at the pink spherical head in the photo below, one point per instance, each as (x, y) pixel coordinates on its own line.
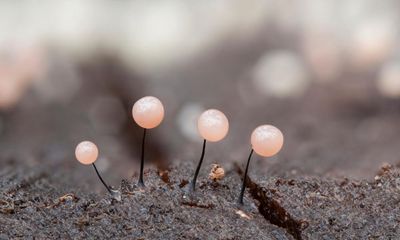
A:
(86, 152)
(148, 112)
(213, 125)
(267, 140)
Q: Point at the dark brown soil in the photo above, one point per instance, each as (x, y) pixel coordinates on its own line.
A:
(314, 208)
(32, 205)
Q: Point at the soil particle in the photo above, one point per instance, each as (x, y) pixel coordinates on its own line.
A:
(216, 173)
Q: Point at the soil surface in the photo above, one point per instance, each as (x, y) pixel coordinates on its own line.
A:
(165, 209)
(33, 205)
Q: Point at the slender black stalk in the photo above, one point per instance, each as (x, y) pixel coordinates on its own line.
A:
(141, 182)
(101, 179)
(240, 200)
(193, 182)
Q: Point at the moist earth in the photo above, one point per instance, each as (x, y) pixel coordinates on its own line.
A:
(33, 206)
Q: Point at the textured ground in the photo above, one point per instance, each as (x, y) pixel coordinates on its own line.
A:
(33, 206)
(333, 208)
(164, 210)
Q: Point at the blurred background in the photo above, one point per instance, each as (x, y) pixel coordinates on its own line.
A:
(327, 73)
